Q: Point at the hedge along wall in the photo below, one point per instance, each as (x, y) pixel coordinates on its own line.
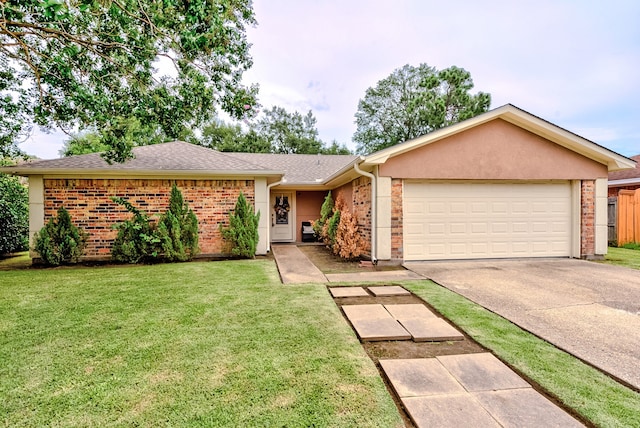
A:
(91, 208)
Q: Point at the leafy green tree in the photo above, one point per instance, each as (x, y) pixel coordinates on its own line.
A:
(60, 241)
(178, 229)
(14, 215)
(289, 132)
(82, 144)
(414, 101)
(242, 232)
(335, 149)
(87, 63)
(225, 137)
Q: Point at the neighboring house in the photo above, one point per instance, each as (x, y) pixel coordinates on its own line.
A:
(628, 179)
(500, 185)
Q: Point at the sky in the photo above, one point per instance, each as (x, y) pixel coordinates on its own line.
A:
(573, 63)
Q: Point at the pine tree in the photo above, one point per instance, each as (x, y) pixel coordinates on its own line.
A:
(242, 233)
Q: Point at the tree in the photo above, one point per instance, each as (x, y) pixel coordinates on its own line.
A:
(414, 101)
(86, 63)
(289, 132)
(14, 215)
(82, 144)
(225, 137)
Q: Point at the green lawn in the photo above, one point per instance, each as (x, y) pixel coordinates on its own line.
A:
(623, 257)
(193, 344)
(595, 396)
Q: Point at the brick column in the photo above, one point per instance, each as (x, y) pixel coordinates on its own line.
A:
(397, 252)
(587, 218)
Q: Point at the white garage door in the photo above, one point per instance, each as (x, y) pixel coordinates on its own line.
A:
(477, 220)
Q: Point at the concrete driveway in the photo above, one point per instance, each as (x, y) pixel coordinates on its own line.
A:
(589, 309)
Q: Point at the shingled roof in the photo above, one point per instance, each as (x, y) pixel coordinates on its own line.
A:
(186, 158)
(299, 169)
(175, 156)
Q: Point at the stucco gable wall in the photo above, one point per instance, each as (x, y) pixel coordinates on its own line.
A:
(496, 150)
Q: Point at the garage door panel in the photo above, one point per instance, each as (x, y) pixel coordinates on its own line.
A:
(486, 220)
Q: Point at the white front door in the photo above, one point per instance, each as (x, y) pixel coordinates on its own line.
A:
(282, 217)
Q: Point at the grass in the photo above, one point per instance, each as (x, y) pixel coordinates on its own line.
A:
(623, 257)
(192, 344)
(590, 393)
(15, 261)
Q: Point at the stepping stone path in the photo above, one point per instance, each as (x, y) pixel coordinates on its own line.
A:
(376, 322)
(473, 389)
(470, 390)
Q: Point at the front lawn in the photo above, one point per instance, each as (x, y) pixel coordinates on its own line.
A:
(192, 344)
(623, 257)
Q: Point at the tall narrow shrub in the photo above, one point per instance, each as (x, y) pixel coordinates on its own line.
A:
(242, 233)
(178, 229)
(348, 241)
(60, 241)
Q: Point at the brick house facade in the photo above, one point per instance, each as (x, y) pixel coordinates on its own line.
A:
(513, 156)
(91, 208)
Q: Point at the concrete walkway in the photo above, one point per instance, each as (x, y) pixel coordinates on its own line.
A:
(294, 266)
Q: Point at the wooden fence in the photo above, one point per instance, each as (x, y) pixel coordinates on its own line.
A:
(628, 213)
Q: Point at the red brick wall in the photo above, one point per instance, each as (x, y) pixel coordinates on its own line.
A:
(587, 218)
(91, 208)
(396, 220)
(361, 203)
(613, 191)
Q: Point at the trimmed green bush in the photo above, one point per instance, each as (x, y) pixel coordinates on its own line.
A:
(178, 229)
(59, 241)
(242, 233)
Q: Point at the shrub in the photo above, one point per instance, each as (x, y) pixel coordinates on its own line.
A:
(59, 241)
(137, 240)
(14, 215)
(242, 233)
(178, 229)
(326, 211)
(348, 242)
(174, 238)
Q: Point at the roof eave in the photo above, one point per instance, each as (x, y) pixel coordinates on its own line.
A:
(130, 173)
(522, 119)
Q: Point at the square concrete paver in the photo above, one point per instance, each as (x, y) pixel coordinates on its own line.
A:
(420, 377)
(524, 408)
(348, 292)
(430, 330)
(482, 372)
(388, 290)
(423, 324)
(407, 311)
(455, 411)
(374, 323)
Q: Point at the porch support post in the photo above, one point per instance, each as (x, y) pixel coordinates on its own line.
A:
(262, 206)
(36, 208)
(601, 221)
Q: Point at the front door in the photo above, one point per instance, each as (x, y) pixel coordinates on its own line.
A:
(282, 217)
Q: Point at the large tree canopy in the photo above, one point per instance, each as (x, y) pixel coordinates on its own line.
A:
(90, 63)
(414, 101)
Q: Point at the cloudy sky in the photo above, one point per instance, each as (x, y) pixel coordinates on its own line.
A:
(573, 63)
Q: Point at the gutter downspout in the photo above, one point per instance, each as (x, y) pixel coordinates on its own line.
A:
(269, 186)
(374, 209)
